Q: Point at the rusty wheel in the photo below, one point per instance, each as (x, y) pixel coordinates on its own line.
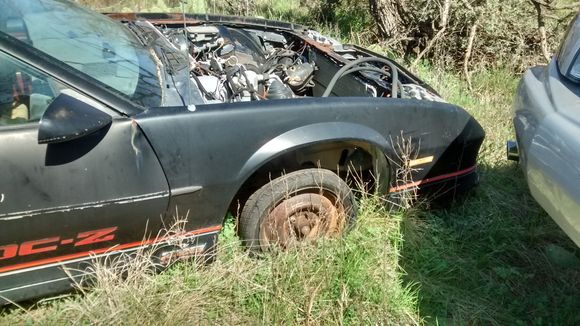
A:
(299, 207)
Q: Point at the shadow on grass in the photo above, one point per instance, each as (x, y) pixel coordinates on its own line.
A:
(485, 259)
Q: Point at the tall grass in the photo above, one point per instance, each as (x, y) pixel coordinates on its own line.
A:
(486, 259)
(354, 280)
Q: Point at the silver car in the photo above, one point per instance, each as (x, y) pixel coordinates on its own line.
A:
(547, 125)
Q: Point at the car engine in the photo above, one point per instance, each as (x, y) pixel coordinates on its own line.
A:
(229, 64)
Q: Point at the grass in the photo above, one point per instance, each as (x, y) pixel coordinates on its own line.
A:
(346, 281)
(486, 259)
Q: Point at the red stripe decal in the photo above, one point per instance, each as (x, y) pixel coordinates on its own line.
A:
(103, 250)
(434, 179)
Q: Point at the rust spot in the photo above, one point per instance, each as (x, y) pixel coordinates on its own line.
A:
(168, 19)
(304, 217)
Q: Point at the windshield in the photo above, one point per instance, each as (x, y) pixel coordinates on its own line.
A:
(90, 42)
(569, 57)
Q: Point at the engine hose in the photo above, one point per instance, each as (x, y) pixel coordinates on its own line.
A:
(231, 83)
(348, 66)
(251, 89)
(374, 69)
(201, 88)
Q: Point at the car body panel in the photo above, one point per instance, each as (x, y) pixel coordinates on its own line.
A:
(114, 192)
(547, 125)
(554, 174)
(54, 196)
(270, 128)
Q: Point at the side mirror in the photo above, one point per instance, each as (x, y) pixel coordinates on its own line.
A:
(68, 118)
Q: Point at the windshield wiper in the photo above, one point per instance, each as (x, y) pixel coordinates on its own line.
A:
(173, 60)
(142, 35)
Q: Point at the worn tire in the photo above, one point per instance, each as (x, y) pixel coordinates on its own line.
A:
(300, 206)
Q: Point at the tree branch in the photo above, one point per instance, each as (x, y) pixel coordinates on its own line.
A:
(551, 6)
(542, 28)
(443, 25)
(468, 50)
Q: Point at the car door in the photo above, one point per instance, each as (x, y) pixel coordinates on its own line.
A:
(89, 193)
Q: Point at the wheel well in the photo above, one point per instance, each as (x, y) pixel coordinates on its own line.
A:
(353, 161)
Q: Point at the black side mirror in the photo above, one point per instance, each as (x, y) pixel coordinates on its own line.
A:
(68, 118)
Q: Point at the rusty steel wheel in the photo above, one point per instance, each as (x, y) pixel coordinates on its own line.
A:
(302, 206)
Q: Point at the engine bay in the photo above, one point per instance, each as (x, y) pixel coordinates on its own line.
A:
(233, 64)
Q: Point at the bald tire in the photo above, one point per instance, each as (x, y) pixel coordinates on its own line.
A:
(276, 191)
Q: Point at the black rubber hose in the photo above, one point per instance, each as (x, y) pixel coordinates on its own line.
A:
(250, 85)
(373, 69)
(201, 88)
(348, 66)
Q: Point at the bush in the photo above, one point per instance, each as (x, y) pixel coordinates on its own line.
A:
(507, 31)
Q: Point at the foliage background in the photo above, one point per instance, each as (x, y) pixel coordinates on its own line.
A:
(493, 258)
(507, 34)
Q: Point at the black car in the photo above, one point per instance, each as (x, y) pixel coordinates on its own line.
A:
(112, 126)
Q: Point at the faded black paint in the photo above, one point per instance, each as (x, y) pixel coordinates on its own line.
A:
(135, 173)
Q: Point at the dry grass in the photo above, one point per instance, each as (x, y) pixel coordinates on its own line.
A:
(353, 280)
(481, 261)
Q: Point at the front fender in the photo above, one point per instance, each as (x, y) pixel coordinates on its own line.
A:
(309, 135)
(208, 154)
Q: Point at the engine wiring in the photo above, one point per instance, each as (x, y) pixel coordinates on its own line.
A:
(250, 65)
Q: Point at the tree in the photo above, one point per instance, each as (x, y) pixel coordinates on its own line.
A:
(389, 16)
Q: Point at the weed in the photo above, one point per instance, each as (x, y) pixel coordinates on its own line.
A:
(352, 280)
(482, 261)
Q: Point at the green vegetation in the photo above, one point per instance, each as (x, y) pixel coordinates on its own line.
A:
(483, 260)
(486, 259)
(506, 32)
(348, 281)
